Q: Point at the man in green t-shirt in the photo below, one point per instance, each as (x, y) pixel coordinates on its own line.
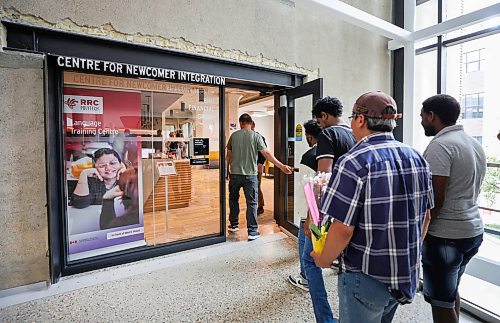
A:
(242, 150)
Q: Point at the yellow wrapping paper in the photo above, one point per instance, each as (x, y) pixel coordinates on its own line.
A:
(319, 244)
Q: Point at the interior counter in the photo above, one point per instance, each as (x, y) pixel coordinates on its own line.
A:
(179, 186)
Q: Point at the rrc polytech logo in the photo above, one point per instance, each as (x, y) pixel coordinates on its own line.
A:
(83, 104)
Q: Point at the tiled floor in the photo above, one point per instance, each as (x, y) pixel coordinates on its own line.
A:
(237, 281)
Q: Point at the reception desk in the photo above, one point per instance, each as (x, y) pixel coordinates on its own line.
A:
(179, 186)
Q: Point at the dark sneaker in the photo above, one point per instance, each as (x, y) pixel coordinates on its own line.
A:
(260, 210)
(420, 286)
(233, 228)
(299, 281)
(252, 237)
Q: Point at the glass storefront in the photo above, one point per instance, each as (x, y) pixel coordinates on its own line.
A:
(135, 139)
(142, 163)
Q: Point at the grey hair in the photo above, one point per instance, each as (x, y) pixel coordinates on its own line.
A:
(382, 125)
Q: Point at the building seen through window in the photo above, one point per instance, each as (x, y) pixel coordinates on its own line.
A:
(472, 106)
(473, 61)
(469, 70)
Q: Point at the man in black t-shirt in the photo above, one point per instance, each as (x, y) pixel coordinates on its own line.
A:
(335, 140)
(312, 130)
(260, 168)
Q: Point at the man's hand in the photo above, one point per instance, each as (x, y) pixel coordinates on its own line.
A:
(318, 261)
(228, 173)
(337, 240)
(286, 169)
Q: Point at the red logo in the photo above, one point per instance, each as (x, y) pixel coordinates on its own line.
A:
(71, 103)
(72, 241)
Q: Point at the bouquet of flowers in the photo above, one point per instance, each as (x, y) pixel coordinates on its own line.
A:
(319, 225)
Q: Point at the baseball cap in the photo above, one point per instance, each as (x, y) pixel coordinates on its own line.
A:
(373, 104)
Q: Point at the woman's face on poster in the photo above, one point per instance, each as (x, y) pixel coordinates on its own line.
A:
(108, 166)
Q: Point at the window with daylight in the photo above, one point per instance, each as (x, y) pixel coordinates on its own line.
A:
(473, 61)
(468, 69)
(473, 106)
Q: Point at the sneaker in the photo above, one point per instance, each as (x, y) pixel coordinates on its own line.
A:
(253, 237)
(233, 228)
(260, 210)
(299, 281)
(335, 266)
(420, 287)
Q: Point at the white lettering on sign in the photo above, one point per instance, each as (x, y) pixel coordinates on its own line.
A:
(83, 104)
(77, 63)
(124, 233)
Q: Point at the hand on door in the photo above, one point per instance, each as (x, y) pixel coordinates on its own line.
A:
(286, 169)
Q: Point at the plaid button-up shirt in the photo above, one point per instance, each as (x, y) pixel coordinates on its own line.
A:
(383, 189)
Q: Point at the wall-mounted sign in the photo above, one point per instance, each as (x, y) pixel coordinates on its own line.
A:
(200, 146)
(85, 64)
(166, 168)
(298, 132)
(83, 104)
(199, 161)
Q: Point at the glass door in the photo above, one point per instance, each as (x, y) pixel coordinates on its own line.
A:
(295, 110)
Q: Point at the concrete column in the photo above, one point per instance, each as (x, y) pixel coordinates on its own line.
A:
(23, 214)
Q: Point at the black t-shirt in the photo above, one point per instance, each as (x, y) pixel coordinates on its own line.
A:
(333, 142)
(260, 158)
(309, 159)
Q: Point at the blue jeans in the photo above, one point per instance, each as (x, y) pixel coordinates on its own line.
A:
(250, 185)
(444, 261)
(364, 299)
(314, 276)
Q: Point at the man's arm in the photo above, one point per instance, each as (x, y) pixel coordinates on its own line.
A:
(337, 240)
(439, 184)
(325, 165)
(228, 162)
(427, 220)
(284, 168)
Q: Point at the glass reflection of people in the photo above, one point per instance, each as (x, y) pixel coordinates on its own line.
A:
(95, 182)
(177, 149)
(169, 144)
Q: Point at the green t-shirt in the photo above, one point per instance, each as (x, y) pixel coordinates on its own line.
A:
(244, 146)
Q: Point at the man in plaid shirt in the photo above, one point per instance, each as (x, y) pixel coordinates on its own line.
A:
(378, 198)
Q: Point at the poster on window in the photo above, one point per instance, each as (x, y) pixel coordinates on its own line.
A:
(104, 207)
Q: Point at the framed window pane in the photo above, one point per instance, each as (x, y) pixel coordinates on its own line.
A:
(425, 86)
(472, 77)
(453, 9)
(426, 14)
